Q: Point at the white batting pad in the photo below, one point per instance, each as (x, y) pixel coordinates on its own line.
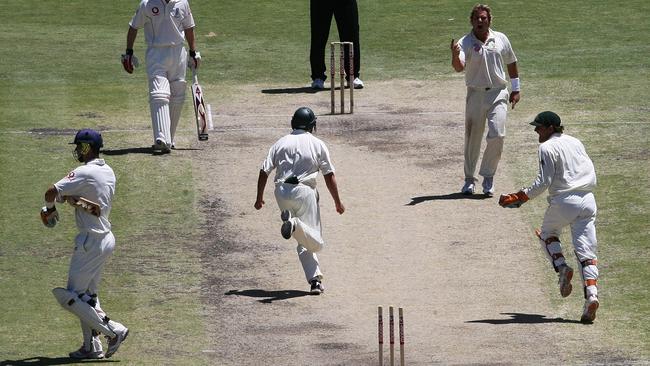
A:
(71, 302)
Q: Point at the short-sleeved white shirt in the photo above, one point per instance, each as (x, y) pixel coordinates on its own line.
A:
(164, 23)
(94, 181)
(485, 63)
(563, 167)
(298, 154)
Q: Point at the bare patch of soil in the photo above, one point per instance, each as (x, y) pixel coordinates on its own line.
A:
(467, 273)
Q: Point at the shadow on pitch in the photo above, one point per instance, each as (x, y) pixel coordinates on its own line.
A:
(300, 90)
(521, 318)
(140, 150)
(38, 360)
(450, 196)
(269, 296)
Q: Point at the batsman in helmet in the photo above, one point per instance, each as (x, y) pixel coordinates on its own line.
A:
(90, 189)
(297, 158)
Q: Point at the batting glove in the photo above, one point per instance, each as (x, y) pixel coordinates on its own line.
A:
(513, 200)
(129, 61)
(49, 216)
(193, 59)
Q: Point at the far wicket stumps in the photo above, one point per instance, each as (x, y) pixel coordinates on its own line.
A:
(350, 73)
(391, 335)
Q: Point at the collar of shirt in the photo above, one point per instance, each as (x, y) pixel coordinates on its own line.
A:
(96, 161)
(489, 38)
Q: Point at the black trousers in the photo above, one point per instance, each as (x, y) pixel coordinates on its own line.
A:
(346, 14)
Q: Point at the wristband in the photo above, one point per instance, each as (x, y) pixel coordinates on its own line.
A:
(129, 51)
(192, 53)
(515, 84)
(49, 205)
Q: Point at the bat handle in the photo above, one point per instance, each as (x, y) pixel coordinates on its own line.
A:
(195, 76)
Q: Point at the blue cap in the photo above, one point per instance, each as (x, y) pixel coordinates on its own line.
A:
(89, 136)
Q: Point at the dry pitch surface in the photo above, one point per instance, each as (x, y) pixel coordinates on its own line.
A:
(466, 271)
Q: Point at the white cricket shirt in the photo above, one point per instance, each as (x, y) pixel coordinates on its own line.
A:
(298, 154)
(94, 181)
(563, 167)
(485, 63)
(164, 23)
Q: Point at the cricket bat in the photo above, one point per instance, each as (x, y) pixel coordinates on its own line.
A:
(199, 108)
(84, 204)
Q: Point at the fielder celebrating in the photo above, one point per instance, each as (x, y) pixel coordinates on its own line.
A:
(166, 24)
(298, 157)
(568, 173)
(482, 54)
(92, 184)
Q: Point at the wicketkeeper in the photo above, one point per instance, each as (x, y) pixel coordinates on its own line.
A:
(90, 188)
(298, 157)
(568, 173)
(167, 24)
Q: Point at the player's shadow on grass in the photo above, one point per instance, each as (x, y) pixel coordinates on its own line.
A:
(300, 90)
(521, 318)
(450, 196)
(39, 360)
(269, 296)
(140, 150)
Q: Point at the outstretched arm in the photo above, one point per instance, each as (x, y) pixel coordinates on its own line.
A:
(261, 183)
(330, 182)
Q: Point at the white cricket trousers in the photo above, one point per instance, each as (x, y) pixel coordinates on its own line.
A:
(577, 210)
(166, 67)
(482, 105)
(91, 252)
(302, 202)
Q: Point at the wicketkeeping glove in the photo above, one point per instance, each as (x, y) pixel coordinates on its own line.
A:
(193, 59)
(49, 216)
(129, 61)
(513, 200)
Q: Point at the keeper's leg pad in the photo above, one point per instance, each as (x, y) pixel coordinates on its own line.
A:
(552, 248)
(589, 276)
(72, 303)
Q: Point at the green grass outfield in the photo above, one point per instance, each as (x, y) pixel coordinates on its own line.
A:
(60, 71)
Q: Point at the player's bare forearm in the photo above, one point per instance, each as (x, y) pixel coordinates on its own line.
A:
(332, 187)
(50, 194)
(513, 71)
(261, 184)
(130, 37)
(456, 63)
(189, 37)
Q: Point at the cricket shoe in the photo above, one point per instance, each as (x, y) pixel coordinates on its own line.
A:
(318, 84)
(287, 227)
(468, 188)
(589, 310)
(357, 83)
(565, 274)
(115, 342)
(488, 186)
(316, 287)
(161, 146)
(82, 354)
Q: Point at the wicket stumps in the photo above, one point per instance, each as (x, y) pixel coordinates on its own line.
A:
(391, 335)
(350, 73)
